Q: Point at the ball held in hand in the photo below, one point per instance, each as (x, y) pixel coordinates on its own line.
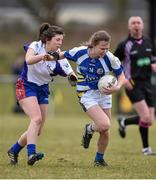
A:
(107, 81)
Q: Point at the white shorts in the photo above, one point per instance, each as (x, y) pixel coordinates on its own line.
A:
(94, 97)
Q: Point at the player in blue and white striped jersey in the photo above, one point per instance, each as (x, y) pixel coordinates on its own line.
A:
(94, 60)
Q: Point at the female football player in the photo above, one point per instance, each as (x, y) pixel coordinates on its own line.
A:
(94, 60)
(32, 87)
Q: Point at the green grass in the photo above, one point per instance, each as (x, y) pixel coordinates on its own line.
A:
(66, 159)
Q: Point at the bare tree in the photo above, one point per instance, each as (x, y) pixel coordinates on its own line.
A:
(43, 10)
(121, 7)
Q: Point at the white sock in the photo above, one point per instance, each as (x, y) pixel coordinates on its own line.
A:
(123, 122)
(90, 130)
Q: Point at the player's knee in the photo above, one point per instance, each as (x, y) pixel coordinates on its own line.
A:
(146, 117)
(146, 121)
(104, 127)
(37, 120)
(145, 124)
(105, 135)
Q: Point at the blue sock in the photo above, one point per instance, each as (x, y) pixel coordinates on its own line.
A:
(16, 148)
(99, 156)
(31, 149)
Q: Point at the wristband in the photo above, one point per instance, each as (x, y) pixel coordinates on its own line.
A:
(55, 55)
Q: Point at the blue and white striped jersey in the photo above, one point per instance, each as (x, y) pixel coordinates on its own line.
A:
(90, 70)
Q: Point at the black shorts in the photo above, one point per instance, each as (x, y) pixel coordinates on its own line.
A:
(141, 91)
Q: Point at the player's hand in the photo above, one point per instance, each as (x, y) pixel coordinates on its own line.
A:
(111, 90)
(54, 55)
(128, 85)
(47, 57)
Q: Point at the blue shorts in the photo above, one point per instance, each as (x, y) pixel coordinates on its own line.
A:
(26, 89)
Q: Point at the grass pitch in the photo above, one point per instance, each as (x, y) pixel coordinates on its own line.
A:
(66, 159)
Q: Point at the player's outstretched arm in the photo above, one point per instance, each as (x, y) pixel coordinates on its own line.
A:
(54, 56)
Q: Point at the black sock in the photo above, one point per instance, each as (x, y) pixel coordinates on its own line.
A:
(131, 120)
(144, 136)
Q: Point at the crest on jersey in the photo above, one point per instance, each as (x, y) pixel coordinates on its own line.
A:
(100, 71)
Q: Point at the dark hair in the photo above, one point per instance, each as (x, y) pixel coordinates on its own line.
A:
(43, 28)
(97, 37)
(46, 32)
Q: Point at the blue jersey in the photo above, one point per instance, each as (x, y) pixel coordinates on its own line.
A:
(90, 70)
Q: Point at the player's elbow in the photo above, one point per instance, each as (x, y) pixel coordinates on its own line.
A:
(28, 61)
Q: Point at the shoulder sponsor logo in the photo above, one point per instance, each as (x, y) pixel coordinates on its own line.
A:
(66, 65)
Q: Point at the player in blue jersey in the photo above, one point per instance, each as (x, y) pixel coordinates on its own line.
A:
(94, 60)
(32, 89)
